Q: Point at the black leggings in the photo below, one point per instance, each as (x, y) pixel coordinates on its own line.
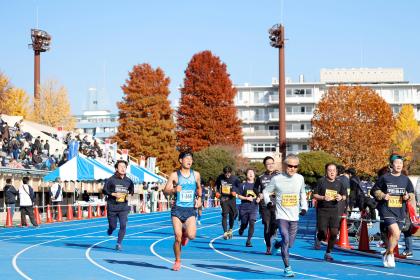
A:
(228, 209)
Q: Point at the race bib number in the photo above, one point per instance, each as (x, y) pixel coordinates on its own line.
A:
(225, 189)
(289, 200)
(121, 198)
(395, 202)
(330, 193)
(186, 196)
(250, 193)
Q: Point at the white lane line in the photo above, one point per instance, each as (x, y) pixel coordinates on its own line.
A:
(66, 230)
(254, 263)
(16, 256)
(152, 249)
(360, 268)
(76, 222)
(87, 252)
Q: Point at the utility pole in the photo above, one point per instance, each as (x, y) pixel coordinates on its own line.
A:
(40, 43)
(276, 35)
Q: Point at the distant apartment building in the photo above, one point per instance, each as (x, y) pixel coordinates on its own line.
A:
(96, 121)
(258, 105)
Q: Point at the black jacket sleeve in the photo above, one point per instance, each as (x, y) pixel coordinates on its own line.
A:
(107, 188)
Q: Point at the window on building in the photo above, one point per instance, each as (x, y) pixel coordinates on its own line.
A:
(263, 147)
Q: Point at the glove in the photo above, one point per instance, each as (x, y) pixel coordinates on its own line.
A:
(302, 212)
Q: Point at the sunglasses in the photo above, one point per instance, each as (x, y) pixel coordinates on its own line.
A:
(292, 166)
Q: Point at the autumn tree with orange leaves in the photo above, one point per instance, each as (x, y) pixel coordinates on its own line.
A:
(146, 126)
(207, 115)
(354, 124)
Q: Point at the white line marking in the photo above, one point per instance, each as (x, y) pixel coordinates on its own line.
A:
(254, 263)
(152, 249)
(87, 252)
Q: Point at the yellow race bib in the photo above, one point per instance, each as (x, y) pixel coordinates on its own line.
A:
(122, 198)
(250, 193)
(225, 189)
(331, 193)
(395, 201)
(289, 200)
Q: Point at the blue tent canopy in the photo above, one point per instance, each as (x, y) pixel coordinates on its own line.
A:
(145, 175)
(78, 169)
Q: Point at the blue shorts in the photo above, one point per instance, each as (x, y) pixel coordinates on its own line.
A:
(248, 214)
(183, 213)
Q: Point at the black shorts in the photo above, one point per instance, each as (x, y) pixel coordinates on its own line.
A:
(392, 220)
(328, 218)
(183, 213)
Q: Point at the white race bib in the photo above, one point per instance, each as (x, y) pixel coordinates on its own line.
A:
(186, 196)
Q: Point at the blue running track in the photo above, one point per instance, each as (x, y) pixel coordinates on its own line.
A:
(82, 250)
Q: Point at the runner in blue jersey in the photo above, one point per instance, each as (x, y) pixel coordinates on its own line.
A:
(185, 185)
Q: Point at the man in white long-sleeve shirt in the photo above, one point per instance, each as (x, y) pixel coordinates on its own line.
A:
(289, 189)
(26, 198)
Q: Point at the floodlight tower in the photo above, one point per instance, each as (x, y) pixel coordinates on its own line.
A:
(276, 35)
(40, 43)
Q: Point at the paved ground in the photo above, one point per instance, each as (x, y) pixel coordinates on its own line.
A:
(82, 250)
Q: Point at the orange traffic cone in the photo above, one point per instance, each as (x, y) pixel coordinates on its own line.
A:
(9, 221)
(79, 212)
(105, 211)
(343, 242)
(37, 216)
(59, 214)
(90, 212)
(69, 212)
(364, 237)
(98, 211)
(159, 206)
(49, 215)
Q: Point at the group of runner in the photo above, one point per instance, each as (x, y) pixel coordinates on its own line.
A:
(279, 197)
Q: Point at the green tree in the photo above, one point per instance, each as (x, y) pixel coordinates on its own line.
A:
(146, 118)
(207, 115)
(406, 132)
(312, 165)
(211, 160)
(354, 124)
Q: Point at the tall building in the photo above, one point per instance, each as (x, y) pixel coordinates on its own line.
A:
(258, 105)
(95, 121)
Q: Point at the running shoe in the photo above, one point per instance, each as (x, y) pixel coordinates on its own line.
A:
(391, 260)
(288, 272)
(328, 257)
(118, 247)
(198, 222)
(248, 244)
(184, 238)
(109, 231)
(276, 247)
(225, 235)
(177, 266)
(230, 233)
(385, 260)
(407, 254)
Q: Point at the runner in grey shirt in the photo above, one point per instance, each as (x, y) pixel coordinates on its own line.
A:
(289, 188)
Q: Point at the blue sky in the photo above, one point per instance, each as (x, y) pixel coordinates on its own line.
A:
(95, 43)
